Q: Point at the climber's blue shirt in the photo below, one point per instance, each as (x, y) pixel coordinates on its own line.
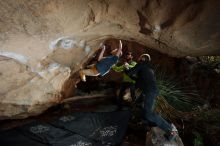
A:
(104, 65)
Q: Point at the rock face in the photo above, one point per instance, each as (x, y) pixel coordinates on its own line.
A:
(43, 43)
(25, 92)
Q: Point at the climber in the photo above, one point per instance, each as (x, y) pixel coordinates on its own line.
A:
(127, 82)
(103, 65)
(146, 82)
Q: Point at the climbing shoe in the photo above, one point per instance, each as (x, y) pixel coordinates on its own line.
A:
(82, 76)
(171, 135)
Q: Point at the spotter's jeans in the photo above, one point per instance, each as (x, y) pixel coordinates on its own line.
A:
(148, 111)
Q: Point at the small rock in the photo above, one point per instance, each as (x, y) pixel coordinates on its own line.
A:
(158, 139)
(191, 59)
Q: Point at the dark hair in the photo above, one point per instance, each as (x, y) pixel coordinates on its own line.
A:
(129, 53)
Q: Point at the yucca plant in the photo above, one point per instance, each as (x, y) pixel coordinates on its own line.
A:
(175, 101)
(181, 98)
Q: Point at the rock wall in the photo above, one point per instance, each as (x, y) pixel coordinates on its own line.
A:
(43, 43)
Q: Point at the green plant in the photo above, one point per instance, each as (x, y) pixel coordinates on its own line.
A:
(181, 98)
(198, 140)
